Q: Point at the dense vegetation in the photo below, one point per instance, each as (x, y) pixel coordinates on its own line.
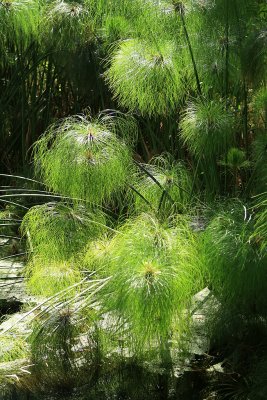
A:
(134, 167)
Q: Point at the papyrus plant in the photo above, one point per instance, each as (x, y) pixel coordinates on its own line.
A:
(84, 159)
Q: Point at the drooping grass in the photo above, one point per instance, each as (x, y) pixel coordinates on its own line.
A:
(13, 346)
(83, 159)
(48, 278)
(145, 76)
(260, 233)
(65, 350)
(173, 193)
(56, 231)
(70, 24)
(96, 256)
(207, 128)
(228, 50)
(19, 26)
(260, 163)
(154, 272)
(136, 19)
(235, 265)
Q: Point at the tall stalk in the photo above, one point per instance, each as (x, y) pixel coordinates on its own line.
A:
(179, 7)
(227, 53)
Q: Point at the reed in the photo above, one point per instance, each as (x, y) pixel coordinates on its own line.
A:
(235, 268)
(207, 128)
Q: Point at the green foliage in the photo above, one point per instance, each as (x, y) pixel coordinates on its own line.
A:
(207, 128)
(69, 24)
(57, 231)
(260, 163)
(260, 233)
(155, 57)
(147, 76)
(48, 278)
(19, 26)
(174, 191)
(56, 344)
(260, 103)
(13, 347)
(235, 265)
(236, 162)
(122, 19)
(235, 159)
(229, 48)
(95, 164)
(96, 255)
(154, 273)
(68, 33)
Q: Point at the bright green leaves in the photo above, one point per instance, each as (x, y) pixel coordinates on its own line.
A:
(166, 187)
(207, 128)
(236, 268)
(153, 273)
(145, 76)
(83, 159)
(56, 233)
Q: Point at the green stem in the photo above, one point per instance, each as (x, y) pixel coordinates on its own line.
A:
(166, 363)
(179, 8)
(245, 118)
(227, 53)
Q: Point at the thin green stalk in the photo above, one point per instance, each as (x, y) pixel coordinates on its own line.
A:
(154, 179)
(21, 177)
(180, 9)
(227, 53)
(140, 195)
(245, 117)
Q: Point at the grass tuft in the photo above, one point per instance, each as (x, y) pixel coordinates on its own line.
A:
(57, 231)
(145, 76)
(154, 273)
(83, 159)
(207, 128)
(174, 191)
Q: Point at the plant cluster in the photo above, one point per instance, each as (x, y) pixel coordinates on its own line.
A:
(148, 205)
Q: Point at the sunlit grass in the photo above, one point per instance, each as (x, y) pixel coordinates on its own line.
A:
(56, 231)
(45, 279)
(207, 128)
(154, 272)
(146, 76)
(13, 346)
(84, 159)
(169, 192)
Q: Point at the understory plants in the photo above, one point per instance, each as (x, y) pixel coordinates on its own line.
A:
(129, 212)
(94, 161)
